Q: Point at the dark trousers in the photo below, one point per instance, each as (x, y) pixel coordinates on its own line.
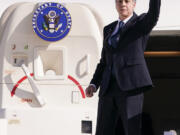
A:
(119, 113)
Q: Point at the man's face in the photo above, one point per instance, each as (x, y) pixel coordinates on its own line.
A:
(125, 8)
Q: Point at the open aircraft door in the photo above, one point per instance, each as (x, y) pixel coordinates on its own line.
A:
(48, 54)
(161, 105)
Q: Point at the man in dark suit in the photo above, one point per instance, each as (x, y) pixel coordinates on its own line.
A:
(122, 72)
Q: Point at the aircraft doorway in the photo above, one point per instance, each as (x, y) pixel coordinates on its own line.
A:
(161, 112)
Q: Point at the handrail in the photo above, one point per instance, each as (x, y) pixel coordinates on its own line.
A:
(33, 85)
(162, 54)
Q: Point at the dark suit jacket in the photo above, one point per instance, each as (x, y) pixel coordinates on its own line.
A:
(130, 68)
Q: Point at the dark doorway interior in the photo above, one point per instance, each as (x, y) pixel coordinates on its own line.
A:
(162, 103)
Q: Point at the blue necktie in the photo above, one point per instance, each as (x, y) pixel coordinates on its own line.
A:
(114, 37)
(113, 41)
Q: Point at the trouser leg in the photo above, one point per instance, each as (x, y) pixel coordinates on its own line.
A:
(134, 125)
(107, 115)
(119, 130)
(130, 112)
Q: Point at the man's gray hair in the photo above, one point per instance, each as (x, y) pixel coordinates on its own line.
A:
(134, 0)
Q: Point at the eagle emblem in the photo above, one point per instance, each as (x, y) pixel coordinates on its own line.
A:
(51, 21)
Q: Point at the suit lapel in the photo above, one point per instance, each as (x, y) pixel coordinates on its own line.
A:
(108, 34)
(127, 26)
(111, 29)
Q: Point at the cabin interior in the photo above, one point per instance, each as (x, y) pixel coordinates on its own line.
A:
(162, 104)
